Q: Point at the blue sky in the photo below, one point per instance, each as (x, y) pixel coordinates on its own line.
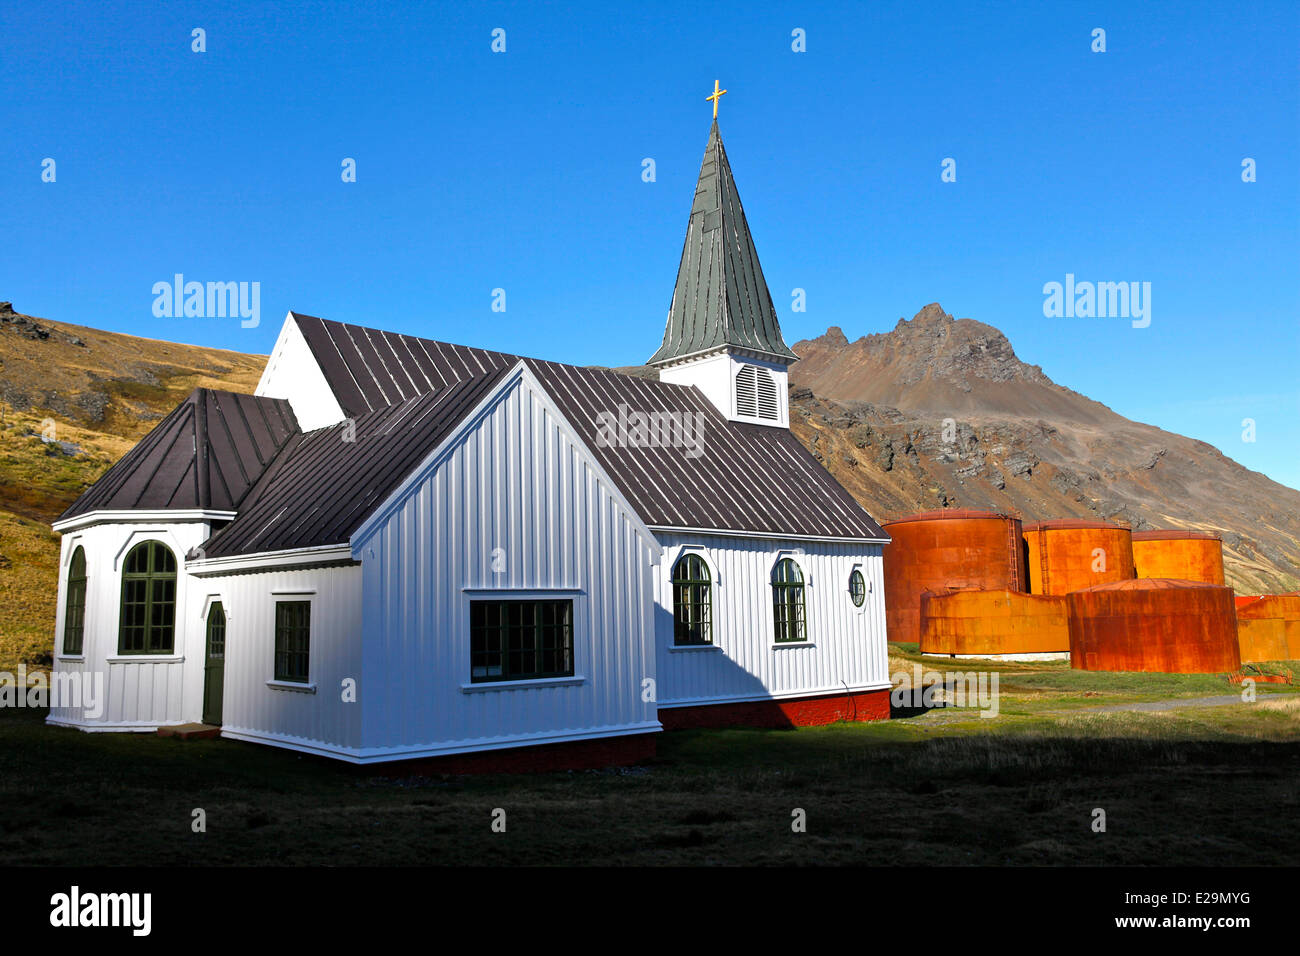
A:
(522, 170)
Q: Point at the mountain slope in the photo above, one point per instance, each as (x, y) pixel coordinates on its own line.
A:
(940, 412)
(72, 401)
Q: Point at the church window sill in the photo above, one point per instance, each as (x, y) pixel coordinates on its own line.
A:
(291, 685)
(521, 684)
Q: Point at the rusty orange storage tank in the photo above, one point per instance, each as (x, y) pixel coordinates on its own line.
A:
(1268, 627)
(1186, 555)
(994, 623)
(1154, 624)
(952, 548)
(1070, 554)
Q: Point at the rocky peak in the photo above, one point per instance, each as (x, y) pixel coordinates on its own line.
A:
(940, 364)
(832, 338)
(929, 317)
(22, 324)
(27, 327)
(935, 345)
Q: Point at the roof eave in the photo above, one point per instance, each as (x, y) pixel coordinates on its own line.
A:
(138, 516)
(771, 535)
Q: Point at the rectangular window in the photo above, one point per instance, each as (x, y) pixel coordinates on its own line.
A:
(74, 619)
(789, 614)
(520, 640)
(135, 601)
(292, 640)
(693, 613)
(162, 608)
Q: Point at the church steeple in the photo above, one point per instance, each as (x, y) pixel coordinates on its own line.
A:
(722, 334)
(720, 299)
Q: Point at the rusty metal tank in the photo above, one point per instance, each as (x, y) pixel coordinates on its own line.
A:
(1154, 624)
(994, 623)
(1070, 554)
(951, 548)
(1185, 555)
(1268, 627)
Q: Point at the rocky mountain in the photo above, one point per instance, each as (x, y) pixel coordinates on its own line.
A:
(940, 412)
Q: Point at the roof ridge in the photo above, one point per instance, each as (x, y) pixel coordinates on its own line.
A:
(532, 360)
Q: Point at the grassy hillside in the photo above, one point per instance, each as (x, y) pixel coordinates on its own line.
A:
(73, 400)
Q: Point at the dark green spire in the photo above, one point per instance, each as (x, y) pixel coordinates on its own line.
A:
(720, 298)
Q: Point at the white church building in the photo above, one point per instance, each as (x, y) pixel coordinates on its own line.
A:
(400, 548)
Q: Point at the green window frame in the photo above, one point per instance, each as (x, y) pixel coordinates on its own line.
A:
(216, 649)
(147, 621)
(74, 608)
(692, 601)
(788, 603)
(292, 641)
(520, 640)
(857, 587)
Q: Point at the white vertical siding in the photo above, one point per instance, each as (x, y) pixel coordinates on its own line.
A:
(516, 508)
(846, 645)
(140, 693)
(252, 709)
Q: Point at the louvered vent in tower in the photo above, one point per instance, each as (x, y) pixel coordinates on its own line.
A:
(747, 392)
(756, 394)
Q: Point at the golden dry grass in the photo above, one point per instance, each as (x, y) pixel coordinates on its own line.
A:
(101, 396)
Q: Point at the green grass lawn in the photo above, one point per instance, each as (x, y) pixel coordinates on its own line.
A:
(1212, 786)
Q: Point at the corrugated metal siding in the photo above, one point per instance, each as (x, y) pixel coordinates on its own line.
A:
(517, 483)
(751, 478)
(252, 710)
(848, 646)
(206, 454)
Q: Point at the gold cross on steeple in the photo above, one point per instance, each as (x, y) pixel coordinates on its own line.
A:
(717, 93)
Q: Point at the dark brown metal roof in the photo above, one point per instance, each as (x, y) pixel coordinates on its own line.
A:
(748, 478)
(205, 455)
(325, 483)
(720, 297)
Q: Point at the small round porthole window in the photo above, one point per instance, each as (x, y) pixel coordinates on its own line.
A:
(857, 588)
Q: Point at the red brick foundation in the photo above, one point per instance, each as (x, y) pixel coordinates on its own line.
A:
(794, 712)
(542, 758)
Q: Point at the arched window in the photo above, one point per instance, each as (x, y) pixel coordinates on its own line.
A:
(148, 621)
(74, 611)
(692, 601)
(787, 601)
(756, 394)
(857, 588)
